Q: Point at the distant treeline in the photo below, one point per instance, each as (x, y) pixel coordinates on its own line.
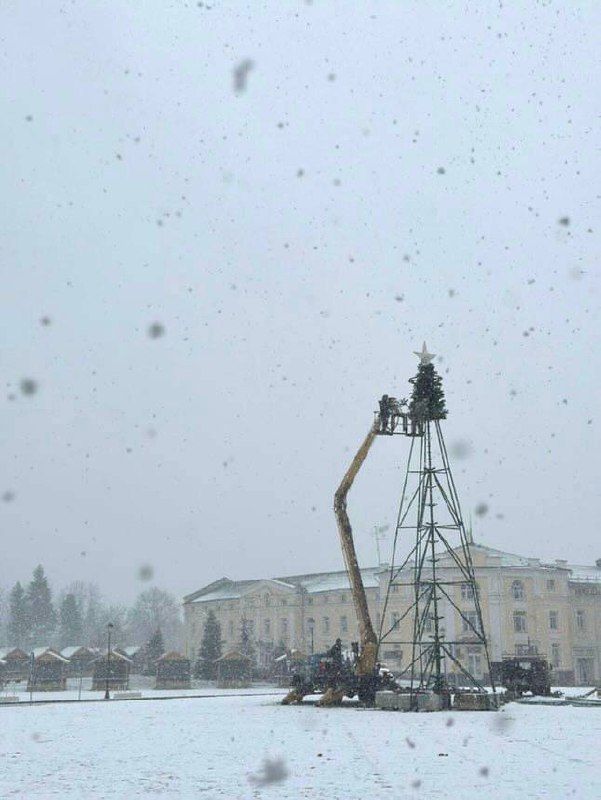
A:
(31, 617)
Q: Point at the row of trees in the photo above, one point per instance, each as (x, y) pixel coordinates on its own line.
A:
(30, 617)
(211, 647)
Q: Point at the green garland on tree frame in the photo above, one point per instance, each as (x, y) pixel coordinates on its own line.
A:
(427, 400)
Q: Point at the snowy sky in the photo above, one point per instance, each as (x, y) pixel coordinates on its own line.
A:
(300, 193)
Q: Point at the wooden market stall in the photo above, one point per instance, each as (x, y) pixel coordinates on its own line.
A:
(17, 665)
(80, 660)
(234, 670)
(172, 671)
(116, 668)
(49, 673)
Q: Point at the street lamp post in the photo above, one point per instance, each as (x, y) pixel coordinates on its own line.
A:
(109, 628)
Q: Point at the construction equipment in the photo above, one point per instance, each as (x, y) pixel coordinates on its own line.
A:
(521, 674)
(429, 572)
(365, 667)
(358, 674)
(333, 678)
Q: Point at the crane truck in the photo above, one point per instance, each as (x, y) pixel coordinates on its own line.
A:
(330, 674)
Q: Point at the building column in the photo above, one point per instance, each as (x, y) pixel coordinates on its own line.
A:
(496, 613)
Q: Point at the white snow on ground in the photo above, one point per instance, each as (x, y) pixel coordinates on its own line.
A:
(144, 685)
(138, 683)
(230, 746)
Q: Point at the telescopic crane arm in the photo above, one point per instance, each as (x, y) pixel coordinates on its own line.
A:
(369, 640)
(365, 667)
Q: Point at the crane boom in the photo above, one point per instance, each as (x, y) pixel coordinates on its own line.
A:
(364, 678)
(369, 640)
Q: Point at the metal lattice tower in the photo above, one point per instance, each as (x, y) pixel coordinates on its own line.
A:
(437, 570)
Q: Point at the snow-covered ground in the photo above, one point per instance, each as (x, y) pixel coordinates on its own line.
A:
(247, 747)
(138, 683)
(144, 685)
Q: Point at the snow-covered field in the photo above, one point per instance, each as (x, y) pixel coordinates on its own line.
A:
(247, 747)
(138, 683)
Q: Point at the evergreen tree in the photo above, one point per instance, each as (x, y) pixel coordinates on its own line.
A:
(4, 611)
(71, 622)
(40, 610)
(154, 650)
(18, 620)
(93, 618)
(90, 605)
(247, 644)
(427, 400)
(210, 649)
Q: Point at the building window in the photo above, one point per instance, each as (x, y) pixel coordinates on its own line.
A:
(553, 621)
(326, 598)
(343, 625)
(555, 655)
(474, 664)
(469, 622)
(394, 655)
(580, 620)
(517, 590)
(429, 623)
(525, 650)
(284, 626)
(585, 671)
(550, 584)
(284, 601)
(395, 620)
(309, 601)
(230, 629)
(519, 621)
(310, 624)
(467, 591)
(326, 624)
(395, 588)
(343, 598)
(267, 599)
(267, 627)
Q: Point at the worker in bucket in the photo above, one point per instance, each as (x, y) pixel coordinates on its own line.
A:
(384, 404)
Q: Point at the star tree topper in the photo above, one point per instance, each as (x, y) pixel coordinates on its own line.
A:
(424, 356)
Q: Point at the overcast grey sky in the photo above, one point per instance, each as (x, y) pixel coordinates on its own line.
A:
(391, 172)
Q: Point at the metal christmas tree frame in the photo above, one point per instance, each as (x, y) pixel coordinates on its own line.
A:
(430, 509)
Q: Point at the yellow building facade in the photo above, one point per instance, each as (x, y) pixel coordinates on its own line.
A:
(528, 606)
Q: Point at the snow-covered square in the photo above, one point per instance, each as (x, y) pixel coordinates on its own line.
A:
(252, 747)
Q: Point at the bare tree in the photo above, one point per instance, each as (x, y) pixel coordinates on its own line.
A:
(155, 608)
